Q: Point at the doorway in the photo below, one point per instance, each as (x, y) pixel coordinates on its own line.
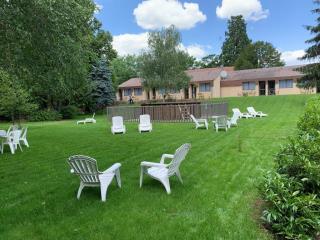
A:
(153, 93)
(120, 94)
(271, 87)
(186, 93)
(193, 91)
(262, 88)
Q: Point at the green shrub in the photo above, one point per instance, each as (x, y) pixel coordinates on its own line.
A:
(69, 112)
(292, 191)
(45, 115)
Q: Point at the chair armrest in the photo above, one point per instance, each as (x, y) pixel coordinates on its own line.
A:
(113, 168)
(164, 156)
(152, 164)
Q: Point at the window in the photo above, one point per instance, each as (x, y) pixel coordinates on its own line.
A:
(248, 86)
(205, 87)
(127, 92)
(137, 91)
(286, 83)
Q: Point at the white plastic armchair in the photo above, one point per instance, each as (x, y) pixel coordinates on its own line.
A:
(221, 122)
(117, 125)
(162, 171)
(233, 121)
(145, 124)
(12, 140)
(86, 168)
(242, 115)
(200, 123)
(254, 113)
(23, 137)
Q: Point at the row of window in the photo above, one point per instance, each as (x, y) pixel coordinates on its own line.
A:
(288, 83)
(206, 87)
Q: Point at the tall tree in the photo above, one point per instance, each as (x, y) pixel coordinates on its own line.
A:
(47, 44)
(236, 40)
(163, 65)
(312, 71)
(124, 68)
(259, 55)
(103, 93)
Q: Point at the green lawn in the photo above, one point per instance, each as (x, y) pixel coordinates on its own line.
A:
(216, 201)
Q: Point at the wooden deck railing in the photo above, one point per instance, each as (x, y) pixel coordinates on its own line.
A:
(169, 113)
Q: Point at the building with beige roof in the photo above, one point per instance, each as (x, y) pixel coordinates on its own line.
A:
(223, 82)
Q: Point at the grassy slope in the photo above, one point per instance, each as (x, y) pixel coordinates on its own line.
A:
(37, 194)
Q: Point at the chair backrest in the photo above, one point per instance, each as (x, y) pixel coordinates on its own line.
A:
(93, 115)
(16, 134)
(194, 119)
(117, 121)
(179, 156)
(85, 167)
(235, 118)
(145, 119)
(24, 133)
(251, 110)
(222, 121)
(236, 110)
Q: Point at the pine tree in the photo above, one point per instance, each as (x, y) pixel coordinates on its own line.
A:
(236, 40)
(103, 93)
(312, 71)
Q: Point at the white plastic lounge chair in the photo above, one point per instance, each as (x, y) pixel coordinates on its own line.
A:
(12, 140)
(200, 123)
(161, 171)
(23, 137)
(88, 120)
(221, 122)
(233, 121)
(145, 124)
(254, 113)
(117, 125)
(242, 115)
(90, 176)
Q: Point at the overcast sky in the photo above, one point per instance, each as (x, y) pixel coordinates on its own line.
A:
(203, 23)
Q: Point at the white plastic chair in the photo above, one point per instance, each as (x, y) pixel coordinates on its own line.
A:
(23, 137)
(233, 121)
(161, 171)
(221, 122)
(88, 120)
(117, 125)
(90, 176)
(12, 140)
(145, 124)
(242, 115)
(200, 123)
(254, 113)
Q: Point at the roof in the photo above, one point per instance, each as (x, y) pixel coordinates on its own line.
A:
(206, 74)
(133, 82)
(209, 74)
(264, 73)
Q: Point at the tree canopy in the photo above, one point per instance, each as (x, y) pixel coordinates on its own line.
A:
(236, 40)
(163, 65)
(312, 71)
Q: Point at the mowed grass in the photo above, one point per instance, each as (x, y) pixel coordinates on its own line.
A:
(216, 201)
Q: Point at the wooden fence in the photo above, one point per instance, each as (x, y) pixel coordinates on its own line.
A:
(169, 113)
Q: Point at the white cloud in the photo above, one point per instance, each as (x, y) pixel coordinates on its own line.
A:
(251, 10)
(292, 57)
(195, 50)
(130, 43)
(155, 14)
(98, 8)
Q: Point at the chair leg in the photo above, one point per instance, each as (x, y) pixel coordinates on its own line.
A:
(80, 189)
(1, 149)
(26, 142)
(118, 179)
(179, 175)
(165, 182)
(20, 147)
(141, 176)
(12, 148)
(103, 188)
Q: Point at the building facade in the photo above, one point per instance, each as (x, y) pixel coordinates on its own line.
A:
(223, 82)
